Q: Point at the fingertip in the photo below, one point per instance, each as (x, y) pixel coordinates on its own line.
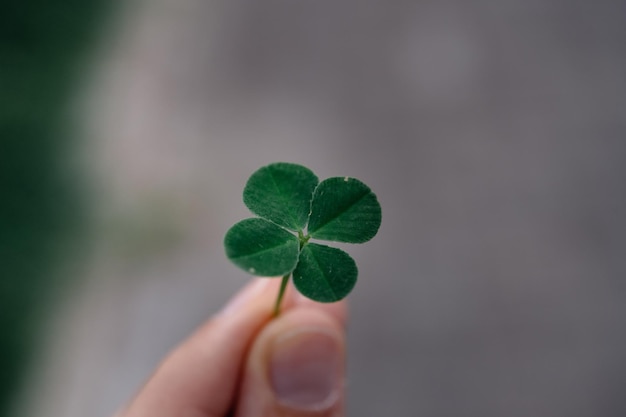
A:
(255, 289)
(337, 310)
(296, 366)
(202, 373)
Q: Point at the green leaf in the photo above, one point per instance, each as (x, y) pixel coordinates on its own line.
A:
(261, 248)
(281, 192)
(344, 210)
(324, 274)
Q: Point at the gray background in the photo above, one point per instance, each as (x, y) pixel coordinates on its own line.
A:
(493, 133)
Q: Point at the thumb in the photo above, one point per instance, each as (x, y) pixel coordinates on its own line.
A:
(296, 367)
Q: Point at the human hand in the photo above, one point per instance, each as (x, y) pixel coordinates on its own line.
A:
(240, 363)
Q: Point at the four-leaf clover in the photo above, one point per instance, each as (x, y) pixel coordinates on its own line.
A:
(293, 208)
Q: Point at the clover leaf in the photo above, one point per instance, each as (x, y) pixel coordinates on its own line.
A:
(293, 208)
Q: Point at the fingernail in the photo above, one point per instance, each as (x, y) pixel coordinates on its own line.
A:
(247, 294)
(306, 369)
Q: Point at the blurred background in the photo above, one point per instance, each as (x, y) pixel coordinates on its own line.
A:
(493, 132)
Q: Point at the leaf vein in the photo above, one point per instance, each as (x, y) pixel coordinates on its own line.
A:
(263, 250)
(336, 216)
(323, 274)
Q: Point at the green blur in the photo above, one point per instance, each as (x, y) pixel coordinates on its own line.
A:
(43, 48)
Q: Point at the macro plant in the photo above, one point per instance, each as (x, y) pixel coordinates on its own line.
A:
(295, 208)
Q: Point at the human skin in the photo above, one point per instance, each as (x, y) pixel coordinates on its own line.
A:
(243, 363)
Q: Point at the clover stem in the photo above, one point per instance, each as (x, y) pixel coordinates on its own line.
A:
(304, 239)
(281, 293)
